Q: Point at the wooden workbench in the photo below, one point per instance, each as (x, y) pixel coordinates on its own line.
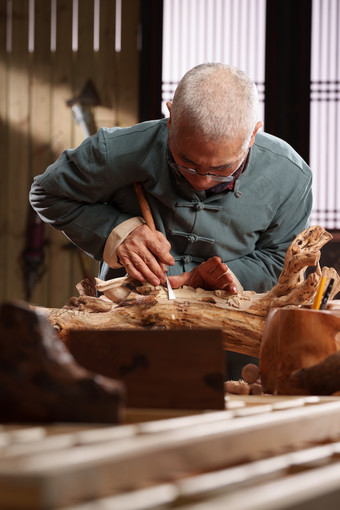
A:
(261, 452)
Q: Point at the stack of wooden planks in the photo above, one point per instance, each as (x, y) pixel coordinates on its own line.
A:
(262, 452)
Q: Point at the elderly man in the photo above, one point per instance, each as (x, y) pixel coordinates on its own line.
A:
(227, 199)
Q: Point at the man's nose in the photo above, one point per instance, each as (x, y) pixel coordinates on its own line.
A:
(206, 178)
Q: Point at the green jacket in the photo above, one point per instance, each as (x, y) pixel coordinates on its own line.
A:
(87, 192)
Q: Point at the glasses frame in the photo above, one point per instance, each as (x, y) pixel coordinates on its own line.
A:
(193, 171)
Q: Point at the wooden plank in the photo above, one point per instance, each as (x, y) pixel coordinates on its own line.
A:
(40, 119)
(128, 65)
(83, 71)
(23, 440)
(159, 497)
(44, 443)
(106, 73)
(215, 488)
(18, 148)
(180, 369)
(309, 490)
(89, 472)
(213, 483)
(83, 59)
(59, 260)
(4, 199)
(61, 79)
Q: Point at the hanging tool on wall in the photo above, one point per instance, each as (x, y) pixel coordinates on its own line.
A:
(82, 105)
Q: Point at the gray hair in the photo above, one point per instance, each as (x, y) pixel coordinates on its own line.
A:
(218, 101)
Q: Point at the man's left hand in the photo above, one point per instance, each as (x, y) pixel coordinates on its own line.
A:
(212, 274)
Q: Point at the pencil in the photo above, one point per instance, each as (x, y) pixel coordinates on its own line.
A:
(318, 296)
(326, 294)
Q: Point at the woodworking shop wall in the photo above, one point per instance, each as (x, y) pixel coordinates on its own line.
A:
(52, 51)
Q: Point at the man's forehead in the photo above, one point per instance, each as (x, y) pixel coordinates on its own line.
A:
(192, 147)
(212, 163)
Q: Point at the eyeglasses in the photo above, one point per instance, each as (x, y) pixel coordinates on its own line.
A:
(193, 171)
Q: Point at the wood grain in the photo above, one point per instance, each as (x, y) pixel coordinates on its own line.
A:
(198, 460)
(18, 148)
(36, 124)
(4, 196)
(294, 339)
(169, 369)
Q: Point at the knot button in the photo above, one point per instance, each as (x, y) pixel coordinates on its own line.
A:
(238, 194)
(199, 206)
(192, 238)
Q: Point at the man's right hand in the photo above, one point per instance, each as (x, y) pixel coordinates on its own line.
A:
(213, 274)
(145, 255)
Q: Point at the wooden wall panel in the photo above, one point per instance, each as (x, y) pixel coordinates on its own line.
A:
(37, 124)
(106, 77)
(83, 63)
(83, 71)
(128, 60)
(3, 144)
(59, 257)
(40, 125)
(18, 154)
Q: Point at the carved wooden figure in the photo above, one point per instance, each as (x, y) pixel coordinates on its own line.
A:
(241, 317)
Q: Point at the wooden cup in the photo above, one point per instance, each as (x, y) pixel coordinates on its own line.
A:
(294, 339)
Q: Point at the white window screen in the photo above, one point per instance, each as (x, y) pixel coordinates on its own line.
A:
(228, 31)
(325, 113)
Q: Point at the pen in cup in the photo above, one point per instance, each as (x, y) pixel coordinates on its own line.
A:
(326, 294)
(318, 296)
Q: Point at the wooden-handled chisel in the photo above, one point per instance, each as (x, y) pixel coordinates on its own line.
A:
(147, 215)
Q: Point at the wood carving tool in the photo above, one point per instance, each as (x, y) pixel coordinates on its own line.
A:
(147, 215)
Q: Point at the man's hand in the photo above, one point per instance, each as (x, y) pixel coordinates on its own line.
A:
(210, 275)
(145, 255)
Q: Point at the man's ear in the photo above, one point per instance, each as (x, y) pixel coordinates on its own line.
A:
(169, 105)
(257, 127)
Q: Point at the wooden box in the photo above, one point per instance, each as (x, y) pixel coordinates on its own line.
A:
(178, 369)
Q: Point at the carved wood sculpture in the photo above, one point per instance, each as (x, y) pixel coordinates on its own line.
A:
(241, 317)
(41, 382)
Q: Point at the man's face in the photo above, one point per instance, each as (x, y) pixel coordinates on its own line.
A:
(208, 158)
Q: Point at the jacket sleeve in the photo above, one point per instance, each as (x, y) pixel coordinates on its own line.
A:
(73, 195)
(260, 269)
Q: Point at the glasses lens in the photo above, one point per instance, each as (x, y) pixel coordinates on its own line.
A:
(192, 171)
(215, 177)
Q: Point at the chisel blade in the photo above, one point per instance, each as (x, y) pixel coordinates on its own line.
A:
(171, 294)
